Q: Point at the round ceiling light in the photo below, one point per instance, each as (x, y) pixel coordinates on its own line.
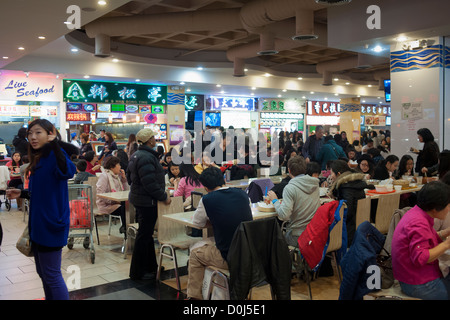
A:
(267, 52)
(305, 37)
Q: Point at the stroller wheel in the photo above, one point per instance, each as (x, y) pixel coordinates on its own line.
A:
(8, 205)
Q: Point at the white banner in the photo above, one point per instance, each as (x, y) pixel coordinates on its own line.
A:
(16, 87)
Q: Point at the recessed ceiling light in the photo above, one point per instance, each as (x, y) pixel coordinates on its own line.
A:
(115, 60)
(222, 92)
(188, 90)
(218, 85)
(284, 90)
(377, 49)
(182, 82)
(74, 50)
(336, 94)
(21, 48)
(312, 92)
(370, 86)
(279, 96)
(300, 78)
(401, 38)
(267, 75)
(336, 79)
(199, 68)
(347, 83)
(41, 38)
(86, 77)
(303, 97)
(137, 80)
(102, 2)
(5, 57)
(253, 88)
(245, 70)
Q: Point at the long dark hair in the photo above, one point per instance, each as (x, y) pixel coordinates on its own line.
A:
(192, 176)
(34, 155)
(402, 165)
(426, 134)
(16, 164)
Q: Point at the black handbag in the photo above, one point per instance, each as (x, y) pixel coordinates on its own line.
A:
(384, 262)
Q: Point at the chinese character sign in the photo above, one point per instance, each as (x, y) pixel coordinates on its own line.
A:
(111, 92)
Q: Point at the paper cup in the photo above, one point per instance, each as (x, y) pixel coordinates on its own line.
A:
(398, 188)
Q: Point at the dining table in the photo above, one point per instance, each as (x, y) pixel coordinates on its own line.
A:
(122, 197)
(186, 218)
(244, 183)
(376, 195)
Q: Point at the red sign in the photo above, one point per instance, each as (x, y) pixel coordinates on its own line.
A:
(72, 116)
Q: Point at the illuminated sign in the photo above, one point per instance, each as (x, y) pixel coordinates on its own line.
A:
(194, 102)
(114, 92)
(273, 106)
(323, 108)
(231, 103)
(75, 116)
(326, 108)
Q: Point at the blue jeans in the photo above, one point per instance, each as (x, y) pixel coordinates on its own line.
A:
(434, 290)
(48, 266)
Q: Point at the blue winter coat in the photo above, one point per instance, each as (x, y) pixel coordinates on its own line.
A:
(49, 220)
(367, 243)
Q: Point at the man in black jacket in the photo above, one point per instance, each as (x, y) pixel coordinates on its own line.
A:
(145, 176)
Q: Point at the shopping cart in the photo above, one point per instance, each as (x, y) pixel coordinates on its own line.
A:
(81, 217)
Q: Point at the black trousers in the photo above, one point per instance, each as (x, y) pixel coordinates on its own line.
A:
(144, 257)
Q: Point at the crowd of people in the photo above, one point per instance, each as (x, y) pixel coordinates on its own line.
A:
(322, 160)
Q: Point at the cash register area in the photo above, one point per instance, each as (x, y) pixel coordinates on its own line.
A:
(108, 277)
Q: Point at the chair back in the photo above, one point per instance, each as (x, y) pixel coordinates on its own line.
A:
(196, 195)
(387, 204)
(92, 181)
(363, 211)
(168, 230)
(335, 242)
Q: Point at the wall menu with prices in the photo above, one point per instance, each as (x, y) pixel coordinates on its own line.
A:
(113, 92)
(78, 116)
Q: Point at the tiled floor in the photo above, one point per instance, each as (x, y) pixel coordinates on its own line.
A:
(107, 278)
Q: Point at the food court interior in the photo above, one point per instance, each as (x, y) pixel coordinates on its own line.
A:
(264, 66)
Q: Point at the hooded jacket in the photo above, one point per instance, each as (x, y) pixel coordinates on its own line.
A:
(329, 151)
(301, 199)
(349, 186)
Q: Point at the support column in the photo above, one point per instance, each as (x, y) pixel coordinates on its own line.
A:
(419, 98)
(350, 118)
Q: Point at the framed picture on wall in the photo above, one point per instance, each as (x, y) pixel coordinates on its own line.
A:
(176, 132)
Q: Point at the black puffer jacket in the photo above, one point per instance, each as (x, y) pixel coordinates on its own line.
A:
(145, 175)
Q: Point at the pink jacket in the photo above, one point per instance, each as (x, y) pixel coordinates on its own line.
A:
(413, 237)
(184, 188)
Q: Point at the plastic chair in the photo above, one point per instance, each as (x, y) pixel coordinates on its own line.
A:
(363, 210)
(334, 245)
(172, 235)
(387, 204)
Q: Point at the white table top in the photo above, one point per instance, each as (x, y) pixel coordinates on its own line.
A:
(186, 218)
(115, 196)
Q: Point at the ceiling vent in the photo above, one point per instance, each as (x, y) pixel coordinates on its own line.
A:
(333, 2)
(305, 37)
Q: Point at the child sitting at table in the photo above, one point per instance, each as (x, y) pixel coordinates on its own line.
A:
(82, 175)
(173, 174)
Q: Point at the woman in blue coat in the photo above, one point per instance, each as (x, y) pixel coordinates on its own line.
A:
(50, 168)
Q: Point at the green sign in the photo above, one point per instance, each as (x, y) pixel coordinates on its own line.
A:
(113, 92)
(273, 106)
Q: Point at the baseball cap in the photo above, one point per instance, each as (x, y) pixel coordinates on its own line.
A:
(144, 135)
(73, 134)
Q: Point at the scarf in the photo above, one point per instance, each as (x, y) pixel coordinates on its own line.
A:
(115, 182)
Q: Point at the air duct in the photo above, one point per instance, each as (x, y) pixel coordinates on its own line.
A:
(102, 46)
(239, 65)
(304, 25)
(267, 44)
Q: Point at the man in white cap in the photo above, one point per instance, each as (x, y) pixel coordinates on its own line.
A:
(145, 175)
